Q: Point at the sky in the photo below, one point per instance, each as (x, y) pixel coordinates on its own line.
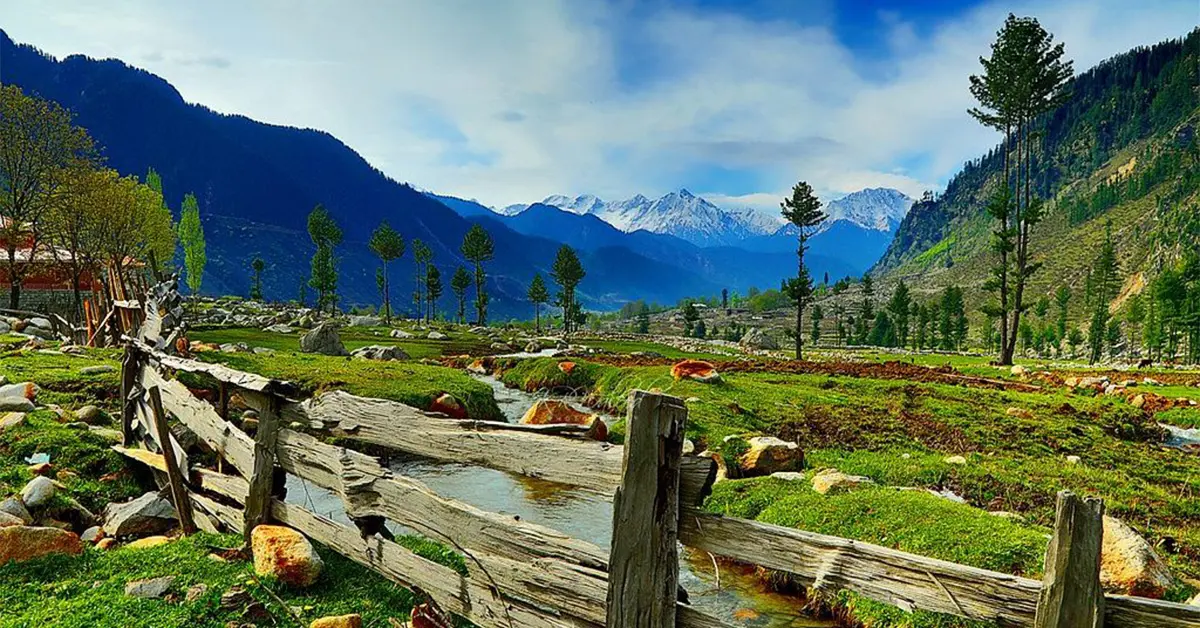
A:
(509, 101)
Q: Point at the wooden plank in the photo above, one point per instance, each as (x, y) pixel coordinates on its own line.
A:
(587, 464)
(688, 617)
(1071, 596)
(367, 488)
(130, 367)
(230, 486)
(219, 372)
(183, 507)
(1122, 611)
(472, 597)
(258, 499)
(229, 442)
(905, 580)
(644, 561)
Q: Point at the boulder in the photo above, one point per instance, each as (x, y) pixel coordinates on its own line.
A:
(758, 339)
(149, 514)
(91, 415)
(38, 492)
(149, 589)
(533, 346)
(340, 621)
(829, 481)
(380, 352)
(16, 404)
(323, 339)
(767, 455)
(148, 542)
(195, 592)
(446, 404)
(279, 329)
(1129, 565)
(284, 553)
(500, 346)
(1018, 370)
(13, 506)
(22, 543)
(566, 367)
(549, 411)
(37, 321)
(1019, 413)
(97, 369)
(365, 321)
(697, 370)
(437, 335)
(235, 347)
(11, 419)
(954, 460)
(7, 520)
(400, 333)
(92, 534)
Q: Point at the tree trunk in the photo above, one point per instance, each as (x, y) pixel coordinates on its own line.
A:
(537, 317)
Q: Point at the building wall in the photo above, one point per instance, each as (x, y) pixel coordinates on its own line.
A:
(47, 301)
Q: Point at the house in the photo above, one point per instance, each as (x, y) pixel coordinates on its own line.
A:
(46, 286)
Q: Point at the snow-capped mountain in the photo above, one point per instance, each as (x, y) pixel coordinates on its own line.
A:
(878, 209)
(681, 214)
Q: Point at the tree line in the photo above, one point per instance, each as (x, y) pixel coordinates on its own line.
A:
(64, 209)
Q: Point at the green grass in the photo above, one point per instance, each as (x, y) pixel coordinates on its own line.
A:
(409, 382)
(1180, 417)
(910, 521)
(631, 346)
(417, 348)
(59, 378)
(865, 426)
(87, 591)
(79, 451)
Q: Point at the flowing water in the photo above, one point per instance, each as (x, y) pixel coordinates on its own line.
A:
(729, 592)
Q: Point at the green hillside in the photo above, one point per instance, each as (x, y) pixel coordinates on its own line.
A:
(1122, 150)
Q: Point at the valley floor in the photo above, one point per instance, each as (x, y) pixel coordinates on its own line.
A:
(982, 440)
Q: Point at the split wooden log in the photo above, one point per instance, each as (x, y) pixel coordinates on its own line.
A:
(1071, 596)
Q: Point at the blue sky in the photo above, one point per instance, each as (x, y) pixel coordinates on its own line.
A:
(509, 101)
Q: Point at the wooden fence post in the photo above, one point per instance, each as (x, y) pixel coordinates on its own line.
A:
(183, 507)
(1071, 596)
(129, 376)
(643, 572)
(258, 500)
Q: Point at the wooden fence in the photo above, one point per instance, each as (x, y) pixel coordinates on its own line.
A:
(522, 574)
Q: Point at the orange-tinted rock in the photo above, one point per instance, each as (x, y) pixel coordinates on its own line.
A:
(22, 543)
(449, 406)
(566, 367)
(106, 543)
(767, 455)
(549, 411)
(284, 553)
(698, 370)
(340, 621)
(1129, 565)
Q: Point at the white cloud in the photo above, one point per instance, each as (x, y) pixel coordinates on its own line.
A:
(512, 101)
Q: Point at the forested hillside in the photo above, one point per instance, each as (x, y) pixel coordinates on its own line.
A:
(1121, 151)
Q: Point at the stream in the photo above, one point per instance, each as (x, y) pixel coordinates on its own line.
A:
(731, 593)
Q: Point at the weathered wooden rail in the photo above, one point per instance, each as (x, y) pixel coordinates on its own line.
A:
(523, 574)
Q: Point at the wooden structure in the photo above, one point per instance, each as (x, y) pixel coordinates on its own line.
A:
(521, 574)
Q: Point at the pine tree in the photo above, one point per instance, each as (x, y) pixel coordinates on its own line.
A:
(898, 309)
(422, 255)
(567, 272)
(478, 248)
(1104, 285)
(256, 293)
(817, 315)
(690, 316)
(191, 236)
(326, 234)
(433, 289)
(538, 295)
(802, 210)
(388, 245)
(460, 283)
(643, 320)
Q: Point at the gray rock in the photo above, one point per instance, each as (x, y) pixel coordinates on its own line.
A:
(39, 332)
(5, 327)
(98, 369)
(11, 419)
(92, 415)
(279, 329)
(195, 592)
(263, 351)
(92, 534)
(38, 321)
(324, 340)
(107, 433)
(500, 346)
(149, 514)
(365, 321)
(758, 339)
(380, 352)
(235, 347)
(38, 492)
(437, 335)
(151, 589)
(400, 333)
(14, 507)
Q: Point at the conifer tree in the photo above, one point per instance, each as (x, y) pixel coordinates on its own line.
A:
(433, 290)
(256, 294)
(388, 245)
(803, 211)
(326, 234)
(477, 248)
(538, 295)
(567, 272)
(460, 283)
(191, 236)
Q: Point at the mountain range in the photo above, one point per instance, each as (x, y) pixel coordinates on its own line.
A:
(257, 182)
(1121, 155)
